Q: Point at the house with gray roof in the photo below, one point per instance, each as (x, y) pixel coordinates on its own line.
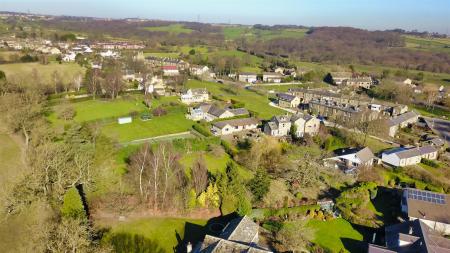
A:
(248, 77)
(234, 126)
(350, 159)
(288, 100)
(402, 121)
(210, 112)
(272, 77)
(280, 126)
(412, 236)
(401, 157)
(240, 235)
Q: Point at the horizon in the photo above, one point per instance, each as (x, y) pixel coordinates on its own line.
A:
(426, 17)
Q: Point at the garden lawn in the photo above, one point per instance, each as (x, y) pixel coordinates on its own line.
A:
(162, 232)
(173, 28)
(66, 70)
(330, 234)
(432, 112)
(214, 164)
(174, 122)
(253, 101)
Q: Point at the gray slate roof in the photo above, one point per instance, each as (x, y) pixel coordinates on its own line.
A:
(402, 118)
(286, 97)
(413, 152)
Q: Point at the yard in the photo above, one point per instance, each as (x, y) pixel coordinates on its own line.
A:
(158, 234)
(335, 235)
(19, 70)
(174, 122)
(253, 101)
(432, 112)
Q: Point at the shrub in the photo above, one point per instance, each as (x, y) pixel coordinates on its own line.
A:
(159, 111)
(430, 163)
(66, 113)
(229, 148)
(201, 129)
(73, 205)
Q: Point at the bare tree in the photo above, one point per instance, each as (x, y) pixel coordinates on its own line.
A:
(199, 175)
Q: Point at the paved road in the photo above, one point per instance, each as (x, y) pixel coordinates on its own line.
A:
(440, 127)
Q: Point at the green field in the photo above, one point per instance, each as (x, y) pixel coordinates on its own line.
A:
(428, 44)
(333, 234)
(235, 32)
(173, 29)
(174, 122)
(161, 234)
(253, 101)
(24, 70)
(432, 112)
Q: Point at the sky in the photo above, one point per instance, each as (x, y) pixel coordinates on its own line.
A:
(423, 15)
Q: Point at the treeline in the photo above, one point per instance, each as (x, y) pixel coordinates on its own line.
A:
(349, 45)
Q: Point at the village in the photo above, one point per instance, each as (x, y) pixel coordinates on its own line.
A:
(262, 144)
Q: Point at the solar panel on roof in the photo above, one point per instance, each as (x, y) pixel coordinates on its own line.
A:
(426, 196)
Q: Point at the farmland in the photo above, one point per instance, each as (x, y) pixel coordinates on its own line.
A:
(23, 71)
(172, 29)
(235, 32)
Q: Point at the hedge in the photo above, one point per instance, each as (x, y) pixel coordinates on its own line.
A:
(201, 129)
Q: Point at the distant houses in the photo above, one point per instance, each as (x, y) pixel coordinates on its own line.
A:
(401, 157)
(359, 82)
(170, 70)
(195, 96)
(402, 121)
(234, 126)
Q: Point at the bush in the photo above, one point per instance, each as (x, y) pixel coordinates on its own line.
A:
(159, 111)
(73, 205)
(430, 163)
(201, 129)
(229, 148)
(66, 113)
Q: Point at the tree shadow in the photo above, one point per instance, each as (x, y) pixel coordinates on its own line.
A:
(353, 245)
(388, 202)
(129, 243)
(194, 233)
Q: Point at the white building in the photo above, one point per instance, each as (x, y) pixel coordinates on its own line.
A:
(170, 70)
(234, 126)
(272, 77)
(209, 112)
(402, 157)
(350, 159)
(248, 77)
(280, 126)
(109, 54)
(70, 57)
(198, 70)
(195, 96)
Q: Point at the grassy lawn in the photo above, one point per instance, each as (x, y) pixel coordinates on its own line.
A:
(161, 234)
(431, 112)
(252, 100)
(335, 235)
(428, 44)
(214, 164)
(174, 122)
(235, 32)
(66, 70)
(173, 28)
